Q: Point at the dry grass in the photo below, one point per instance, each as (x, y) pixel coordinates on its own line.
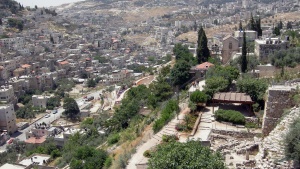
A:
(142, 14)
(128, 146)
(229, 28)
(291, 16)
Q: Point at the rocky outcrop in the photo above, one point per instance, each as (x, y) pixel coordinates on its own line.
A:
(271, 149)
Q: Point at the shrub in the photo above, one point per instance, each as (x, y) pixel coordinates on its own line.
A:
(166, 115)
(198, 97)
(232, 116)
(108, 162)
(251, 125)
(147, 154)
(256, 107)
(292, 142)
(180, 127)
(169, 138)
(113, 139)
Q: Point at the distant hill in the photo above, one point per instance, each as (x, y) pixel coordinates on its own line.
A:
(8, 7)
(207, 2)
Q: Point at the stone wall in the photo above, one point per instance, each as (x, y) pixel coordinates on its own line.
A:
(235, 134)
(279, 98)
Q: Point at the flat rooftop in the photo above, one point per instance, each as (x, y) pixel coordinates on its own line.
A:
(36, 159)
(264, 41)
(12, 166)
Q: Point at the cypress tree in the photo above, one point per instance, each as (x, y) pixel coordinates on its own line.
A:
(202, 49)
(195, 26)
(244, 55)
(259, 30)
(280, 25)
(240, 26)
(252, 24)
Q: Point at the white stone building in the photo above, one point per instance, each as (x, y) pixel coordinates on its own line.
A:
(40, 100)
(8, 118)
(7, 94)
(268, 46)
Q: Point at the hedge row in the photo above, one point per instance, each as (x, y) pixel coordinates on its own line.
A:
(166, 115)
(231, 116)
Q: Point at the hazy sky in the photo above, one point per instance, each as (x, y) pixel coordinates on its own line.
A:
(45, 3)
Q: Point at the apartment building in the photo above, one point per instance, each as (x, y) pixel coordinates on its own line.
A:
(40, 101)
(263, 48)
(8, 118)
(7, 94)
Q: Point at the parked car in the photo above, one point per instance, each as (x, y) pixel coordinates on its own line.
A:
(47, 116)
(90, 98)
(10, 141)
(54, 111)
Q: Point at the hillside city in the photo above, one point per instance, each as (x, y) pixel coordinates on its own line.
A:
(158, 84)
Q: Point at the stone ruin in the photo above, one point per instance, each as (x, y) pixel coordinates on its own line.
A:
(265, 149)
(279, 98)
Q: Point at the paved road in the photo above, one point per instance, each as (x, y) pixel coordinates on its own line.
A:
(21, 134)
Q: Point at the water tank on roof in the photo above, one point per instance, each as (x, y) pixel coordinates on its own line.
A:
(287, 38)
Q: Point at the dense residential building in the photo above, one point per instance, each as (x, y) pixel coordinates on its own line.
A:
(268, 46)
(8, 118)
(40, 100)
(7, 94)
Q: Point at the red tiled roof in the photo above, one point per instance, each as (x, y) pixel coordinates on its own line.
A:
(26, 66)
(63, 62)
(204, 65)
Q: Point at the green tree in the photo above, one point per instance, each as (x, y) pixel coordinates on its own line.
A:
(91, 83)
(51, 39)
(161, 89)
(214, 85)
(252, 62)
(252, 23)
(165, 70)
(0, 21)
(202, 49)
(101, 59)
(280, 25)
(25, 112)
(240, 26)
(229, 73)
(53, 102)
(182, 53)
(83, 75)
(244, 55)
(255, 88)
(292, 142)
(258, 25)
(198, 97)
(180, 73)
(35, 7)
(71, 108)
(168, 58)
(288, 25)
(276, 31)
(176, 155)
(192, 106)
